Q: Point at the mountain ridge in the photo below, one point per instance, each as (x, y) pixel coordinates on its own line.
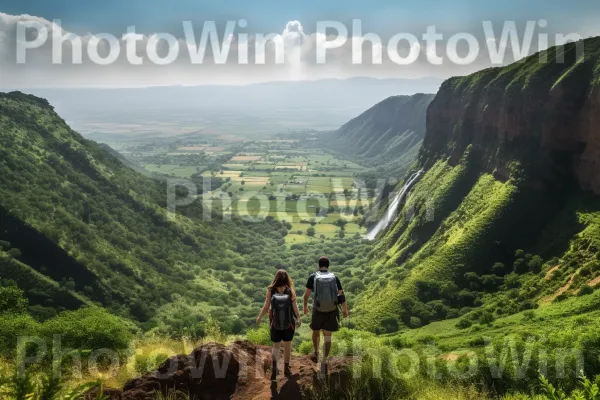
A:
(388, 134)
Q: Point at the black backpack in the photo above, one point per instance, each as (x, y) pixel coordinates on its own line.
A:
(281, 309)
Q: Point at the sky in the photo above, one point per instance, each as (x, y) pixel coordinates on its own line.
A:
(295, 21)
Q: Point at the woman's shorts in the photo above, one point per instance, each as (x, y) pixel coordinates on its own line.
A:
(282, 336)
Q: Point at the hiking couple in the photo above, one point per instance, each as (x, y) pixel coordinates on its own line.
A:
(284, 316)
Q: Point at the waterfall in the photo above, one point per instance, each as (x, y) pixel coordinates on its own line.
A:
(392, 210)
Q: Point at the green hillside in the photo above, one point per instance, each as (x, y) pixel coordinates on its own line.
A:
(502, 221)
(80, 228)
(388, 135)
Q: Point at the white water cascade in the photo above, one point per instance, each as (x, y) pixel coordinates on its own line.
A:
(392, 210)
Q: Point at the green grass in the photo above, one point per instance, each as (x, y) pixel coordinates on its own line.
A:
(449, 250)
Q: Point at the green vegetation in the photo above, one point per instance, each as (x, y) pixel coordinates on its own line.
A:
(385, 138)
(82, 229)
(483, 287)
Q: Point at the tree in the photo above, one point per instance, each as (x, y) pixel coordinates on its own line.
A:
(15, 253)
(12, 300)
(310, 232)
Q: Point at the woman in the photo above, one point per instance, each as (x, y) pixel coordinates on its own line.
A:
(280, 301)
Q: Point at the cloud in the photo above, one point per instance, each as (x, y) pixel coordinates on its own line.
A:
(294, 33)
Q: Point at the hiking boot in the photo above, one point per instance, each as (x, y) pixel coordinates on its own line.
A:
(274, 372)
(314, 358)
(287, 371)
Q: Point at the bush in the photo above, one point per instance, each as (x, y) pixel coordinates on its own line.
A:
(415, 322)
(12, 326)
(12, 300)
(306, 347)
(464, 324)
(15, 253)
(585, 290)
(486, 318)
(260, 335)
(88, 329)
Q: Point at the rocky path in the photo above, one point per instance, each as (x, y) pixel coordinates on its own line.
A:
(240, 371)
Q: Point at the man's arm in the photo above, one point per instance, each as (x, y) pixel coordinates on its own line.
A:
(345, 311)
(307, 293)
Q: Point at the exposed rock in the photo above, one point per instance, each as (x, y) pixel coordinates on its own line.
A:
(239, 371)
(544, 115)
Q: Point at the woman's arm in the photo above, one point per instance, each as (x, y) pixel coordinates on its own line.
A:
(265, 308)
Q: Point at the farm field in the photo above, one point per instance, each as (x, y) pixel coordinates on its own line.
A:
(295, 182)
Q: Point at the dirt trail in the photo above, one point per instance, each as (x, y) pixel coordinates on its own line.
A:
(549, 299)
(240, 371)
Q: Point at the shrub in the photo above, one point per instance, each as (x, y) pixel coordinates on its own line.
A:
(12, 300)
(88, 329)
(306, 347)
(585, 290)
(260, 335)
(464, 324)
(486, 318)
(529, 315)
(415, 322)
(12, 326)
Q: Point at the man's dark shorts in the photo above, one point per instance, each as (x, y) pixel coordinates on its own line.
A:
(325, 321)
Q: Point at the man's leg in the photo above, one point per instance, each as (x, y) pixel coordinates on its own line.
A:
(327, 344)
(316, 338)
(326, 350)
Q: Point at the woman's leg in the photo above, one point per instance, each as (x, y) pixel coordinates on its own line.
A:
(275, 355)
(276, 350)
(287, 356)
(287, 352)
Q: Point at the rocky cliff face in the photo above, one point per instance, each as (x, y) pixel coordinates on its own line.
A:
(537, 117)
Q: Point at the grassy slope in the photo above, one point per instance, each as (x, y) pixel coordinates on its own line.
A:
(479, 220)
(448, 252)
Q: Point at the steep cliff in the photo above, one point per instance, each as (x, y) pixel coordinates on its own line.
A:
(390, 132)
(542, 112)
(508, 197)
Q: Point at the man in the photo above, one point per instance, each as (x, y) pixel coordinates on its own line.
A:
(325, 317)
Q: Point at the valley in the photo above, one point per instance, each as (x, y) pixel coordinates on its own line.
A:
(483, 284)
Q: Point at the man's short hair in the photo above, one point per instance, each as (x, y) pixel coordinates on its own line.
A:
(323, 262)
